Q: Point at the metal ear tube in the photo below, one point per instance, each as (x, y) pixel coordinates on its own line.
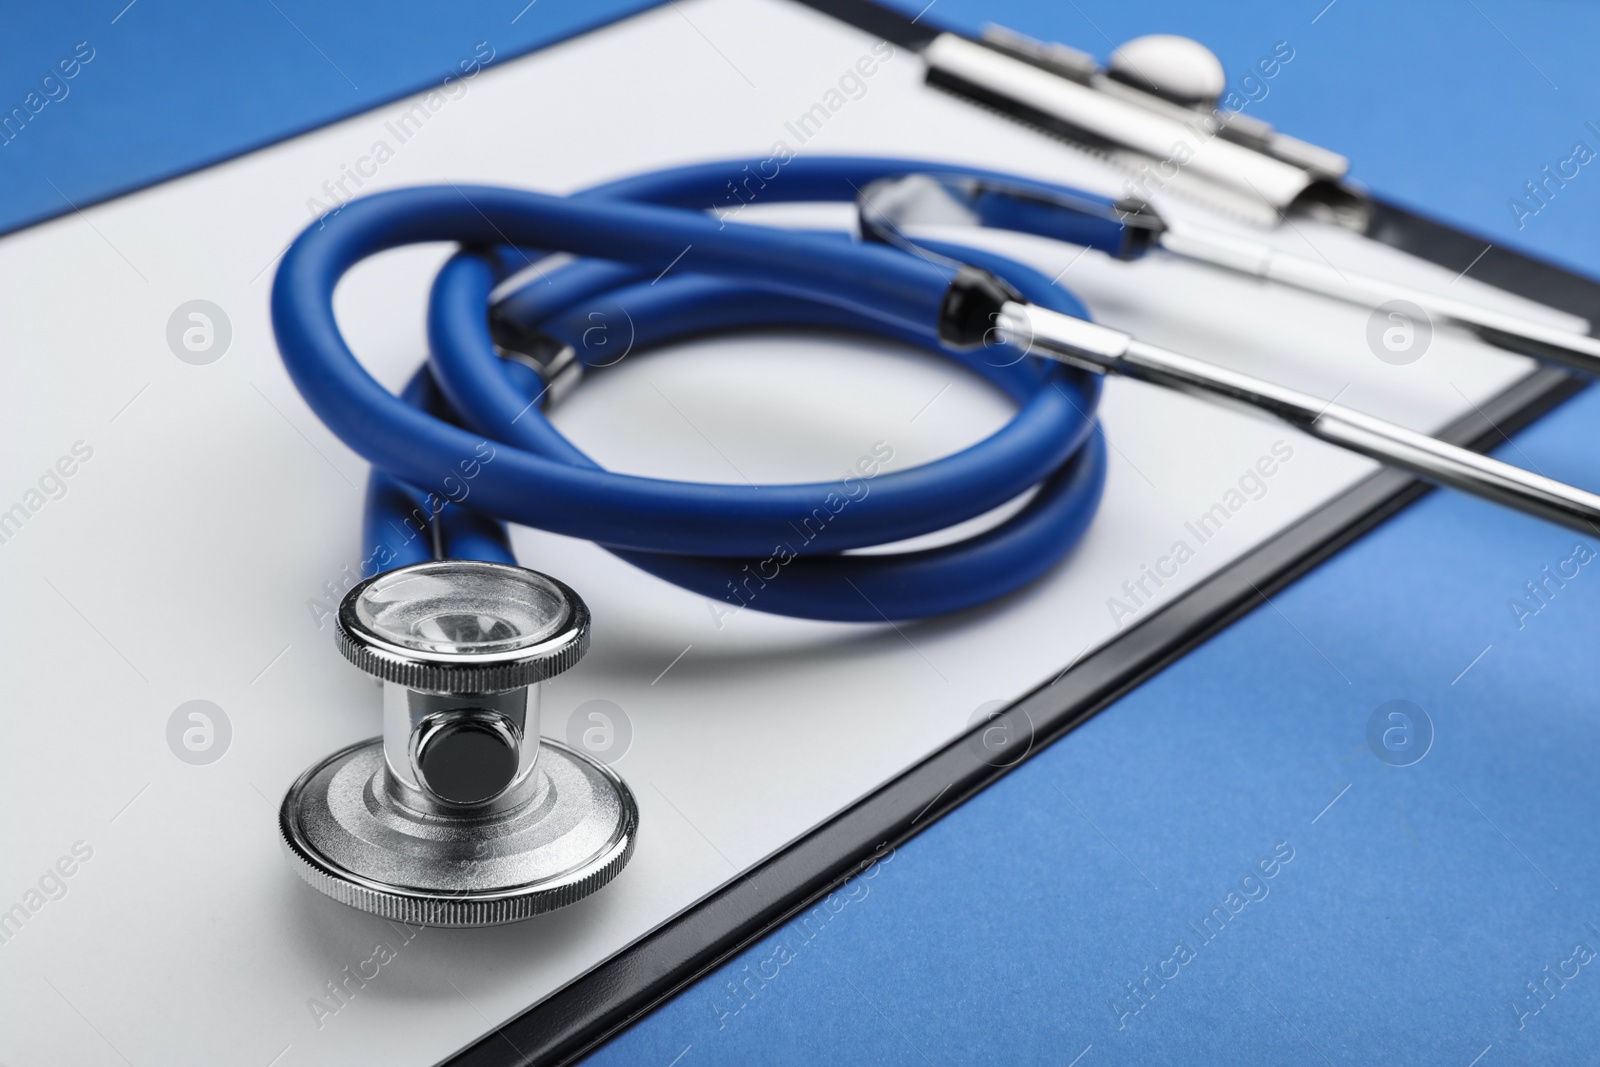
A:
(1256, 259)
(1129, 230)
(1093, 347)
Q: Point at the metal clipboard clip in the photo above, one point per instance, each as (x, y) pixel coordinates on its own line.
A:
(1161, 114)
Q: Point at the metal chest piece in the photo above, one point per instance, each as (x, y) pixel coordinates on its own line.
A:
(459, 815)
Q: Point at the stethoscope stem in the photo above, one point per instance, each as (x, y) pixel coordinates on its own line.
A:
(1099, 348)
(1255, 259)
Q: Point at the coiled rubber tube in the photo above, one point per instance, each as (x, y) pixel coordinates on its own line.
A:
(646, 244)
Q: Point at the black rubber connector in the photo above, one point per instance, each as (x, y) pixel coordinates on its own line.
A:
(1142, 227)
(970, 307)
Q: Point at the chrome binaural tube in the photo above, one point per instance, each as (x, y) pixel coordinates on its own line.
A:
(1258, 260)
(1107, 351)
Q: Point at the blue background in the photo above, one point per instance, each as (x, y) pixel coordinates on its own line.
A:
(175, 85)
(1417, 905)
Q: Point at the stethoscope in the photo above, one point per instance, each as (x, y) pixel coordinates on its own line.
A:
(459, 815)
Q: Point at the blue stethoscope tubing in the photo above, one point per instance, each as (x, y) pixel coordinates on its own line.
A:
(647, 244)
